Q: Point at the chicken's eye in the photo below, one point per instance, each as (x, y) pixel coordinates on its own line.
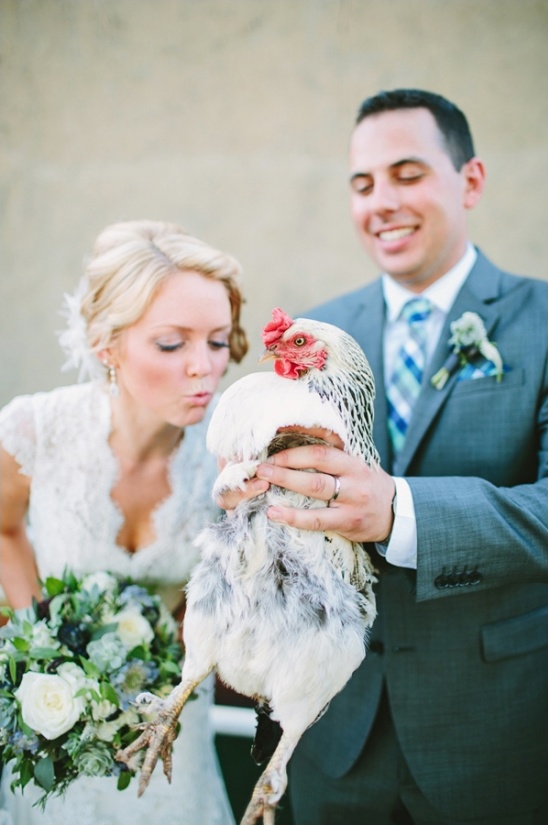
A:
(300, 341)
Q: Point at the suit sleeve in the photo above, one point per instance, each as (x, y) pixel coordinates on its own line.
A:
(474, 534)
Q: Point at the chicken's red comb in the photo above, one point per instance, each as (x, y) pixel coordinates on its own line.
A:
(274, 330)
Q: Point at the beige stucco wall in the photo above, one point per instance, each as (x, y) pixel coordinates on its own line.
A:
(232, 117)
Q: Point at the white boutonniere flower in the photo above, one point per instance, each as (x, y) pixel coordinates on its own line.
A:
(468, 337)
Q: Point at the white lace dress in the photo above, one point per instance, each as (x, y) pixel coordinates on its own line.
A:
(60, 439)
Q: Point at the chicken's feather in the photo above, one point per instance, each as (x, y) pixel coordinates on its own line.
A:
(252, 410)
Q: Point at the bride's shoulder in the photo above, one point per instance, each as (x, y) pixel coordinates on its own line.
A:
(41, 402)
(63, 406)
(63, 421)
(72, 395)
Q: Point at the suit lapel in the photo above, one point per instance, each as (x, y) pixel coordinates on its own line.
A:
(479, 291)
(367, 328)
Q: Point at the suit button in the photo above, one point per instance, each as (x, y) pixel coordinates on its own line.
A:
(376, 646)
(441, 582)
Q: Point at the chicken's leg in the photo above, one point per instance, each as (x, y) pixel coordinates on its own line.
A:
(159, 734)
(271, 785)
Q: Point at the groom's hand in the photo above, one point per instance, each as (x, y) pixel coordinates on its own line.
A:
(254, 487)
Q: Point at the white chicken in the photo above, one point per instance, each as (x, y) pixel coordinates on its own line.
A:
(281, 614)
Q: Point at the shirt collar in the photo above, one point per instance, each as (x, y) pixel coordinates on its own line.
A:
(441, 293)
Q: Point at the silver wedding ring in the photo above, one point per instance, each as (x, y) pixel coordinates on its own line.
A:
(336, 491)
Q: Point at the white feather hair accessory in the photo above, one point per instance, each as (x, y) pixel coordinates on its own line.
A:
(73, 340)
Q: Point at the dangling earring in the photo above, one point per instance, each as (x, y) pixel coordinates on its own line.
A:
(113, 388)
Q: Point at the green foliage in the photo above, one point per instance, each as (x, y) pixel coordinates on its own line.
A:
(76, 640)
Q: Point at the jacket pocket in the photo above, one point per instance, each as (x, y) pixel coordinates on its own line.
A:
(510, 380)
(515, 636)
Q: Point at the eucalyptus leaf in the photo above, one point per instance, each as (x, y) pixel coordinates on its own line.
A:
(108, 693)
(25, 728)
(106, 628)
(44, 774)
(13, 670)
(123, 780)
(170, 667)
(89, 668)
(26, 773)
(20, 644)
(43, 653)
(54, 586)
(9, 631)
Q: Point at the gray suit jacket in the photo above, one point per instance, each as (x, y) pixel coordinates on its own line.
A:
(462, 645)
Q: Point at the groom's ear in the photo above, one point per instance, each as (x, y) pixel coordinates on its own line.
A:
(473, 173)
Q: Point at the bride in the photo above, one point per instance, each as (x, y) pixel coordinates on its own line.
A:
(114, 475)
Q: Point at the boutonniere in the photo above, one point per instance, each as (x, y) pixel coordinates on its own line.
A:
(468, 337)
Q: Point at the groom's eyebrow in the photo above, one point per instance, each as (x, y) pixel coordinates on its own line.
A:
(415, 160)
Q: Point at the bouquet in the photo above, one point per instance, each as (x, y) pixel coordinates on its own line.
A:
(70, 668)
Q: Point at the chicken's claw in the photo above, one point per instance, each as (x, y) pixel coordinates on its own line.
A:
(233, 477)
(266, 795)
(161, 731)
(258, 808)
(157, 737)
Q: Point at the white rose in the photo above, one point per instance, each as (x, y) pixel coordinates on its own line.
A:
(76, 679)
(100, 710)
(133, 628)
(129, 717)
(48, 705)
(104, 581)
(106, 731)
(41, 636)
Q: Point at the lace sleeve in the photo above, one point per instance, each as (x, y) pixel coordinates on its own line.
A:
(18, 432)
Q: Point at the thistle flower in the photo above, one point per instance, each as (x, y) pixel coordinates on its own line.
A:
(132, 678)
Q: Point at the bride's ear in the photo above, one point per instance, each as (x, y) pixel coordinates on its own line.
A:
(107, 356)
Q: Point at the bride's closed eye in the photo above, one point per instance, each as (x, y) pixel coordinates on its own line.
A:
(177, 345)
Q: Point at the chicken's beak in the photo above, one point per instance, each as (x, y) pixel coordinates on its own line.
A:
(268, 355)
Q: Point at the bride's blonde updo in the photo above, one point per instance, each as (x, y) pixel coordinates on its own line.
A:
(129, 263)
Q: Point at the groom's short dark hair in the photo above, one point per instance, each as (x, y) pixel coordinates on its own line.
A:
(450, 120)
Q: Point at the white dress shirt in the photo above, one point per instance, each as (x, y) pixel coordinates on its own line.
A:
(401, 549)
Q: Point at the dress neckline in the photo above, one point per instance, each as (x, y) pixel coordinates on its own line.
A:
(114, 475)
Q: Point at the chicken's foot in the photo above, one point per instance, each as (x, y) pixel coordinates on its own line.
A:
(159, 733)
(271, 785)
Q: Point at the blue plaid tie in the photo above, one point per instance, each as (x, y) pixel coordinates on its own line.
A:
(405, 384)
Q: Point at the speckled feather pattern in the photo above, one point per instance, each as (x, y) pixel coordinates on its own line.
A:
(347, 384)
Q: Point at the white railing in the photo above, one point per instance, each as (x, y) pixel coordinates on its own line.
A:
(232, 721)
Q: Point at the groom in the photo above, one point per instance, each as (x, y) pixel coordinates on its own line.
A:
(445, 722)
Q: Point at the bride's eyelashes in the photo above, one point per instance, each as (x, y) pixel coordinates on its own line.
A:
(169, 347)
(173, 347)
